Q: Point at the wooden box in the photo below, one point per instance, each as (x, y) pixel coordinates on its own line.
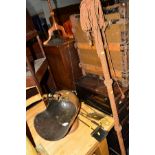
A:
(117, 37)
(64, 62)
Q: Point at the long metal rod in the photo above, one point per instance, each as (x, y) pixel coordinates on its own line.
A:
(94, 122)
(50, 6)
(108, 82)
(107, 49)
(52, 13)
(86, 124)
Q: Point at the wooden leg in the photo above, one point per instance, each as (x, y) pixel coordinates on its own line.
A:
(30, 150)
(29, 135)
(102, 149)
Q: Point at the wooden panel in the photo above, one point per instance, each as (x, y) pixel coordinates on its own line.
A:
(33, 96)
(112, 16)
(80, 36)
(58, 67)
(86, 46)
(92, 68)
(117, 37)
(64, 62)
(30, 81)
(33, 99)
(40, 67)
(113, 33)
(114, 47)
(116, 58)
(89, 57)
(98, 70)
(88, 54)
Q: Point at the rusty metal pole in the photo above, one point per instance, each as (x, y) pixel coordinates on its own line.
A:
(108, 82)
(92, 19)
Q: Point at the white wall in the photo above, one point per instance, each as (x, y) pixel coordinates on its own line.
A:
(39, 6)
(63, 3)
(34, 6)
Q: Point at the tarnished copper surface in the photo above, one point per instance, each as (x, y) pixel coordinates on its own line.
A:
(59, 118)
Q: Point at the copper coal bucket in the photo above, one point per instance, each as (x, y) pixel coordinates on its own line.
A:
(60, 116)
